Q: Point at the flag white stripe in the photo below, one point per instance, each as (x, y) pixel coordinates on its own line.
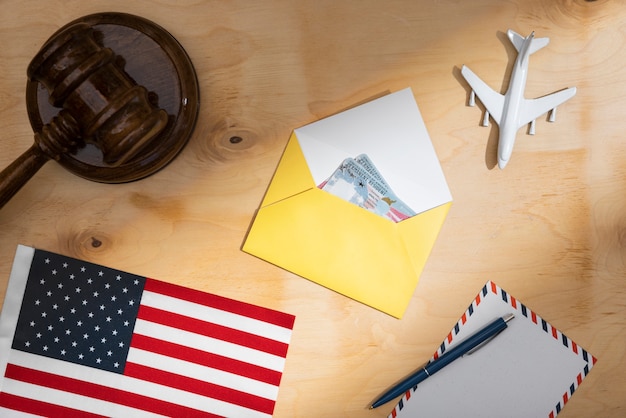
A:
(205, 374)
(13, 302)
(125, 383)
(11, 413)
(216, 316)
(66, 399)
(211, 345)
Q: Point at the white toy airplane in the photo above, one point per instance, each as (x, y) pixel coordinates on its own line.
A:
(511, 111)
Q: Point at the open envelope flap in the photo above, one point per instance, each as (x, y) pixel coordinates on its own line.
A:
(292, 175)
(390, 130)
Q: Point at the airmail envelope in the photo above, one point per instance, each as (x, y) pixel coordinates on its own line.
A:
(338, 244)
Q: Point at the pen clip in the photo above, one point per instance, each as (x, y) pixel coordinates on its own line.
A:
(506, 318)
(481, 345)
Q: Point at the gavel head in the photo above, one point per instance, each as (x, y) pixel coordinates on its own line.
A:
(99, 100)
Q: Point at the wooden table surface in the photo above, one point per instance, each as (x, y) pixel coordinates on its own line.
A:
(550, 228)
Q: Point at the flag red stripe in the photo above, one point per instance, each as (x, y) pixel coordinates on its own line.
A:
(31, 406)
(103, 393)
(230, 305)
(200, 387)
(208, 329)
(204, 358)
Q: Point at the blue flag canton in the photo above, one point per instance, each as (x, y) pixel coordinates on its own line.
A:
(78, 312)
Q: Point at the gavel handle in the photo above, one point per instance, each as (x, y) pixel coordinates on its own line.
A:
(16, 174)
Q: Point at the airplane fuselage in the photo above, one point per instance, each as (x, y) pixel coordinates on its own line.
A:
(514, 98)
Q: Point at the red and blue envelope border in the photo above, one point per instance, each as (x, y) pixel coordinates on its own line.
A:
(491, 287)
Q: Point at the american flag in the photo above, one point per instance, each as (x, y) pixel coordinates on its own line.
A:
(81, 340)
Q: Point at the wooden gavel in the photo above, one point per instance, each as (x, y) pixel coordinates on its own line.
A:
(100, 105)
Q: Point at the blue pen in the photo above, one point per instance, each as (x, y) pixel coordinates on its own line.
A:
(464, 347)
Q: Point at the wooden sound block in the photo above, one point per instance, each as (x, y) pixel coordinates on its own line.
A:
(153, 59)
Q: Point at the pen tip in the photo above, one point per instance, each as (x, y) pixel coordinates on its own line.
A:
(508, 317)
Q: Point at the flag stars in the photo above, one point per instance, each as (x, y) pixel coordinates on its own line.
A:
(89, 307)
(27, 343)
(47, 261)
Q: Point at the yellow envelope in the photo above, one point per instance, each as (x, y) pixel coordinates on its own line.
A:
(335, 243)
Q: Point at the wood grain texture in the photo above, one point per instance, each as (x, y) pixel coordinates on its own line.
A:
(550, 228)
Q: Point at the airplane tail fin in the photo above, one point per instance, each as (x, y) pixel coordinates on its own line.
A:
(518, 40)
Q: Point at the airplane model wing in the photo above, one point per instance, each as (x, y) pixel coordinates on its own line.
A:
(493, 101)
(533, 108)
